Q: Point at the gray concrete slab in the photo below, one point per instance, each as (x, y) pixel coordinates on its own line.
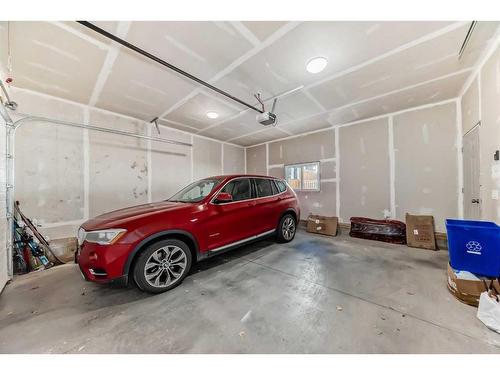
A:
(314, 295)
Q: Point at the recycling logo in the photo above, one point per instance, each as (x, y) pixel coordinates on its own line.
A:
(474, 247)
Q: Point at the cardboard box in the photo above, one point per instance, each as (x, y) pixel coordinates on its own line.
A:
(467, 287)
(322, 225)
(420, 232)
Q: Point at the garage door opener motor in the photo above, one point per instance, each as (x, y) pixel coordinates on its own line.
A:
(266, 118)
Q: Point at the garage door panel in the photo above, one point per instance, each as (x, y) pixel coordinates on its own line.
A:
(49, 161)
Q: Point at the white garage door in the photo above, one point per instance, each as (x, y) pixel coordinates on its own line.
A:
(3, 220)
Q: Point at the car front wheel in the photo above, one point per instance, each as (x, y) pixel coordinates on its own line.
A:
(286, 228)
(162, 266)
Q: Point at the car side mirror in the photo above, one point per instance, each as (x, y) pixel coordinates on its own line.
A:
(224, 198)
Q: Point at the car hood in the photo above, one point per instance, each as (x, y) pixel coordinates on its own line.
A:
(115, 219)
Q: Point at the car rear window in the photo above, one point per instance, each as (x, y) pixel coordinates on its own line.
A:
(275, 189)
(281, 186)
(264, 187)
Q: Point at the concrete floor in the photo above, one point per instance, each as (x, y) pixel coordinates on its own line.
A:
(314, 295)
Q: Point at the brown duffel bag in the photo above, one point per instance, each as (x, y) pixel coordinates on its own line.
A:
(392, 231)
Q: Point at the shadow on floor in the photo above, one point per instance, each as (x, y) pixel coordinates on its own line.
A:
(40, 293)
(232, 255)
(108, 294)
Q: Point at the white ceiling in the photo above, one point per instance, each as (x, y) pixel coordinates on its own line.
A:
(374, 68)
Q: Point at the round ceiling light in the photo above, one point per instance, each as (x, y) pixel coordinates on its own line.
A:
(212, 115)
(316, 65)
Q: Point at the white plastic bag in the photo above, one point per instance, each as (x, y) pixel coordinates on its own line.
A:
(489, 311)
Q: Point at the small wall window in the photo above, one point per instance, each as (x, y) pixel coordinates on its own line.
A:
(303, 176)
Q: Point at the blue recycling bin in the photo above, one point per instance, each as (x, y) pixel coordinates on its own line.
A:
(474, 246)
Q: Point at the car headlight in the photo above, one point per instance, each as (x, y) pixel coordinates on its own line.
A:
(102, 237)
(81, 236)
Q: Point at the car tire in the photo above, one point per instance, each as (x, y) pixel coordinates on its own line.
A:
(286, 228)
(162, 266)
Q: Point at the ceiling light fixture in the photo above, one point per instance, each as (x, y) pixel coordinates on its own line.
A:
(212, 115)
(316, 65)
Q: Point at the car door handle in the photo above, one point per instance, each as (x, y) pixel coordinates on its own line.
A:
(253, 203)
(475, 201)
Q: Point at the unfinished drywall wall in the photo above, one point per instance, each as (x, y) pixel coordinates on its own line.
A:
(171, 164)
(470, 107)
(233, 159)
(364, 173)
(318, 203)
(310, 147)
(257, 160)
(320, 147)
(118, 174)
(383, 167)
(65, 175)
(489, 138)
(426, 163)
(207, 158)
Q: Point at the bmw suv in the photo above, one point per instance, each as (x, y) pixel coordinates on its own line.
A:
(155, 244)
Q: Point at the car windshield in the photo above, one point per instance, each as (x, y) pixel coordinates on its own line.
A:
(196, 191)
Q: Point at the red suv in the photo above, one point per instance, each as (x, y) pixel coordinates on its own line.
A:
(156, 243)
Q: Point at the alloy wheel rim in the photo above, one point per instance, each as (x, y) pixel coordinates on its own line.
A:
(288, 228)
(165, 266)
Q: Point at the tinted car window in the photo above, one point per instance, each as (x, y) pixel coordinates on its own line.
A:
(264, 187)
(275, 189)
(240, 189)
(281, 186)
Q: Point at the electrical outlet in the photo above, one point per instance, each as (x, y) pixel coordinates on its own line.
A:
(494, 194)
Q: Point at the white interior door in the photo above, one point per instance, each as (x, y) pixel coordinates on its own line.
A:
(472, 202)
